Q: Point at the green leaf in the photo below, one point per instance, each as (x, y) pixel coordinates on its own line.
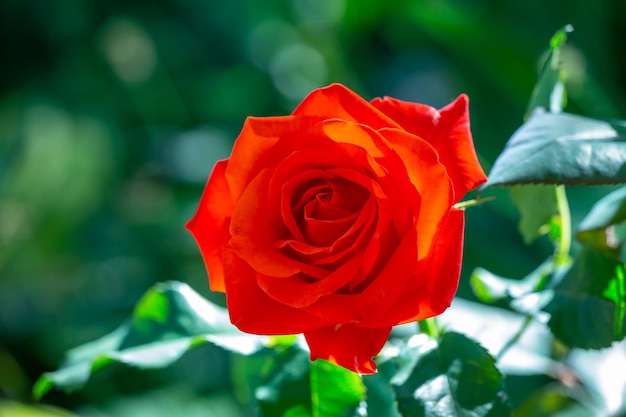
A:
(489, 287)
(554, 400)
(587, 306)
(456, 377)
(561, 149)
(15, 409)
(582, 321)
(549, 92)
(282, 340)
(169, 320)
(381, 398)
(604, 227)
(335, 391)
(616, 292)
(286, 389)
(536, 205)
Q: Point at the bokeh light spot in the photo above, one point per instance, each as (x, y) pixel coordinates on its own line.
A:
(130, 51)
(297, 70)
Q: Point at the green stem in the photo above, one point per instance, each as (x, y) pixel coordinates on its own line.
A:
(565, 239)
(561, 258)
(430, 327)
(514, 339)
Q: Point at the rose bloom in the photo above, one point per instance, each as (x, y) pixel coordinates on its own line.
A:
(338, 221)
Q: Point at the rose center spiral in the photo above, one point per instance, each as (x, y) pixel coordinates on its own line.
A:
(326, 208)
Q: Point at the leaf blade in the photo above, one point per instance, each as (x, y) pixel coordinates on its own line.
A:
(562, 149)
(169, 320)
(335, 391)
(457, 377)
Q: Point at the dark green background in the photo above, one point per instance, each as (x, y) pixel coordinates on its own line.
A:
(112, 114)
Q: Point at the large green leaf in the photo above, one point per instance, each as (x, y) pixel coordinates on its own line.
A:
(605, 226)
(557, 148)
(335, 391)
(455, 377)
(537, 206)
(297, 387)
(537, 203)
(561, 148)
(556, 400)
(587, 306)
(286, 389)
(381, 398)
(582, 321)
(169, 320)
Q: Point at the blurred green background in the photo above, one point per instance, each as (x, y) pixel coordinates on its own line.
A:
(112, 114)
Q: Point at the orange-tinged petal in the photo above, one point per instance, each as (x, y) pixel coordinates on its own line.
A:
(253, 311)
(434, 285)
(344, 132)
(263, 143)
(448, 131)
(348, 346)
(338, 102)
(208, 224)
(431, 180)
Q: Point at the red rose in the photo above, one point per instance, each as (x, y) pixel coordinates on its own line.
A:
(338, 221)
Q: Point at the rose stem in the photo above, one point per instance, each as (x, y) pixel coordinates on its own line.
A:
(561, 258)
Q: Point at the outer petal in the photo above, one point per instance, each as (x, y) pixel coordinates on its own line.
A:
(348, 346)
(253, 311)
(430, 178)
(207, 225)
(338, 102)
(435, 284)
(262, 143)
(448, 130)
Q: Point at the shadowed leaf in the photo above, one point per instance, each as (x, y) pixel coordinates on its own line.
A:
(456, 377)
(169, 320)
(561, 149)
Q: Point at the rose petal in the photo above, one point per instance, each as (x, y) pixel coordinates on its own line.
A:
(448, 130)
(453, 141)
(338, 102)
(264, 142)
(325, 232)
(332, 256)
(298, 291)
(432, 289)
(348, 346)
(431, 180)
(207, 224)
(380, 295)
(299, 168)
(379, 251)
(367, 138)
(356, 166)
(388, 168)
(253, 239)
(253, 311)
(418, 119)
